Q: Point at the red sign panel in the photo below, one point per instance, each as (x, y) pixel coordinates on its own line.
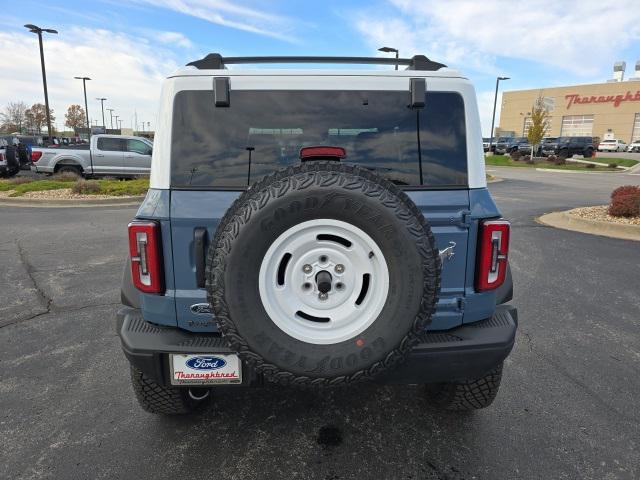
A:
(574, 98)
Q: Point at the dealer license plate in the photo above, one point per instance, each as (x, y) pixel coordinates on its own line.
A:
(205, 369)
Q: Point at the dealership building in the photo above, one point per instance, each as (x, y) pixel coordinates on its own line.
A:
(604, 110)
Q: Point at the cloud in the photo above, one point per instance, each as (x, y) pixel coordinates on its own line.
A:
(173, 38)
(127, 70)
(228, 14)
(580, 37)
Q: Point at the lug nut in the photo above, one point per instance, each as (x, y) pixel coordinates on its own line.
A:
(339, 268)
(307, 268)
(323, 296)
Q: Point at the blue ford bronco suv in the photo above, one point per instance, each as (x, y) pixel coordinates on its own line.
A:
(315, 228)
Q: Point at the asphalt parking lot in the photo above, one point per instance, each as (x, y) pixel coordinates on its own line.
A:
(568, 406)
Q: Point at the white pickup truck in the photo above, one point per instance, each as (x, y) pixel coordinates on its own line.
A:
(117, 155)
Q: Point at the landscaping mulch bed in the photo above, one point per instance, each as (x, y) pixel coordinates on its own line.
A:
(60, 194)
(599, 213)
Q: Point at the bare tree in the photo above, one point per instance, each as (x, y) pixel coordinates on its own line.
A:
(36, 117)
(539, 124)
(12, 119)
(75, 117)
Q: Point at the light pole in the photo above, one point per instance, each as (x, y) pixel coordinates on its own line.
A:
(389, 50)
(38, 31)
(110, 110)
(120, 122)
(493, 117)
(104, 124)
(86, 112)
(116, 117)
(86, 107)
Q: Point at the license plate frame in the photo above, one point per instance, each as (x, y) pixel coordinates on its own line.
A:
(204, 369)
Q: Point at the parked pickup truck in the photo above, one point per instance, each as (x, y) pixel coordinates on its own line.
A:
(105, 155)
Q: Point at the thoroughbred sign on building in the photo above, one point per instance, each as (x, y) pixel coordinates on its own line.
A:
(599, 109)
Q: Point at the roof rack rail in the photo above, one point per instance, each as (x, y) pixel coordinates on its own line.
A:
(215, 61)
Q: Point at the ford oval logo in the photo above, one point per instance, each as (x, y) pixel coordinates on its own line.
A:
(206, 363)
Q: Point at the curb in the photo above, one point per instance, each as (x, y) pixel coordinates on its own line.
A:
(44, 203)
(557, 170)
(597, 164)
(566, 221)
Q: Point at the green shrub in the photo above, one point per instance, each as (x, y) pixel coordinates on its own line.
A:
(139, 186)
(527, 159)
(517, 155)
(86, 187)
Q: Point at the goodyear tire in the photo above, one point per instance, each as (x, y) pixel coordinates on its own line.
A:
(323, 274)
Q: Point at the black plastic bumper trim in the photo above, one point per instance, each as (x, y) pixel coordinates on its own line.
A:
(463, 353)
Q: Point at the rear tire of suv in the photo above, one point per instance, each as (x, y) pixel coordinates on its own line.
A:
(465, 396)
(323, 274)
(588, 153)
(159, 399)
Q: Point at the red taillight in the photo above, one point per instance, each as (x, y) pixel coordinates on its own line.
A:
(322, 152)
(35, 156)
(146, 256)
(493, 248)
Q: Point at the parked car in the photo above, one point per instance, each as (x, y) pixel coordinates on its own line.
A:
(485, 144)
(634, 146)
(569, 146)
(521, 145)
(547, 146)
(15, 154)
(612, 146)
(105, 155)
(9, 163)
(322, 254)
(504, 145)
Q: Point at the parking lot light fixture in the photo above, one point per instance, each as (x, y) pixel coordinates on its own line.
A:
(104, 124)
(111, 110)
(38, 31)
(390, 50)
(493, 117)
(86, 112)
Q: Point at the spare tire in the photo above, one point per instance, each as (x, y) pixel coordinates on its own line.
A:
(323, 273)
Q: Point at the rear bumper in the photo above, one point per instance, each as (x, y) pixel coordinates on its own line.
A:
(463, 353)
(41, 168)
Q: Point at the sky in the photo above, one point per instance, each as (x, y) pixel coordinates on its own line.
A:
(127, 47)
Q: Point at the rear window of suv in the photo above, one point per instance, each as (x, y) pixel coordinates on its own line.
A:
(262, 131)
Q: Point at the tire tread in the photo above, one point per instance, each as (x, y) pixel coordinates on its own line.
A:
(465, 396)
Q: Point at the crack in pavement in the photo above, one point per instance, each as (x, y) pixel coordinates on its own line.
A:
(48, 301)
(45, 300)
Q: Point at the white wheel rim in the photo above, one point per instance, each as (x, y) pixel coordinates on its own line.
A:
(290, 293)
